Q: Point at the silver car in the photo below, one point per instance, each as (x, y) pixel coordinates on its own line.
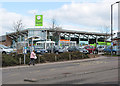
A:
(5, 50)
(82, 50)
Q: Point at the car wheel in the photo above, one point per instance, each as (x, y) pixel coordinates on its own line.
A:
(114, 53)
(57, 53)
(4, 52)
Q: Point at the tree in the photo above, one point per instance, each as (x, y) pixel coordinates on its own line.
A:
(17, 26)
(105, 29)
(55, 28)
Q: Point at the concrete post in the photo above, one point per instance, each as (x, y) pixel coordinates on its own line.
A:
(59, 40)
(88, 39)
(96, 40)
(69, 57)
(79, 40)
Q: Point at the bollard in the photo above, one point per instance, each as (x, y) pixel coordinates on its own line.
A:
(39, 58)
(82, 56)
(55, 58)
(20, 60)
(69, 57)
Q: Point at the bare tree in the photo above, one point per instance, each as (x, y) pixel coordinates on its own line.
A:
(55, 31)
(17, 26)
(105, 29)
(55, 27)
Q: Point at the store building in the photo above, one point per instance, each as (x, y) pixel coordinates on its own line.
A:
(31, 36)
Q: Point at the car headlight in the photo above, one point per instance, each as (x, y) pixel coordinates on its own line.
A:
(8, 51)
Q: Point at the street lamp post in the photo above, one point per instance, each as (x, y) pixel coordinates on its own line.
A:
(112, 24)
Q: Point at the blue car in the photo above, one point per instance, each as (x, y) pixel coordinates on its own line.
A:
(108, 50)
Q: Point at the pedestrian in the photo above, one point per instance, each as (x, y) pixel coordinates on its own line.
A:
(32, 58)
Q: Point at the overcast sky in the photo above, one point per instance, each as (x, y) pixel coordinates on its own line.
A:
(82, 15)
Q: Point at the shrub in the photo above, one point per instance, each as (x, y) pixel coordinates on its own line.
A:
(8, 60)
(13, 59)
(49, 57)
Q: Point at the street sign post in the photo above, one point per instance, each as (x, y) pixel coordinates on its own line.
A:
(111, 43)
(24, 52)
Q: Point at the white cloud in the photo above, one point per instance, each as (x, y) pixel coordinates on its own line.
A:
(7, 20)
(74, 16)
(33, 11)
(85, 14)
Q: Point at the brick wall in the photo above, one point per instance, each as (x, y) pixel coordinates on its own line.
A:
(7, 42)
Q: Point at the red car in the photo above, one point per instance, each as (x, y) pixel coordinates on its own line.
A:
(90, 48)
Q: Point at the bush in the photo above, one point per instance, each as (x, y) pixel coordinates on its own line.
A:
(49, 57)
(14, 59)
(8, 60)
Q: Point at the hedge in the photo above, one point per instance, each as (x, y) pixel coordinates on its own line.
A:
(13, 59)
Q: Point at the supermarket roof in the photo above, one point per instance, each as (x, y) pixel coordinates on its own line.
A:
(64, 31)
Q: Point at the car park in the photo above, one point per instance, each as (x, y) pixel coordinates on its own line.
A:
(6, 50)
(39, 50)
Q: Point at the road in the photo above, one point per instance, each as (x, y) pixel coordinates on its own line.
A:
(102, 70)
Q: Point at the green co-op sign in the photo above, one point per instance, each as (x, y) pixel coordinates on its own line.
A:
(38, 20)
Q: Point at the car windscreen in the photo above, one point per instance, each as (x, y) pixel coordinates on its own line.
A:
(38, 48)
(91, 47)
(5, 47)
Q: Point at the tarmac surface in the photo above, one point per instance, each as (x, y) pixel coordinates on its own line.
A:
(101, 70)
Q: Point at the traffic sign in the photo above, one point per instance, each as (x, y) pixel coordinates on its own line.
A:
(111, 43)
(24, 50)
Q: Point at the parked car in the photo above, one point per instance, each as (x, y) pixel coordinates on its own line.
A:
(56, 49)
(108, 50)
(100, 48)
(65, 48)
(73, 49)
(82, 50)
(6, 50)
(14, 49)
(39, 50)
(91, 49)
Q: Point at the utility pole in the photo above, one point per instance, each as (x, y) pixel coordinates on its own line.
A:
(112, 25)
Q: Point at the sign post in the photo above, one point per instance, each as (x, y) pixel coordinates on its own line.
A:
(24, 52)
(25, 49)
